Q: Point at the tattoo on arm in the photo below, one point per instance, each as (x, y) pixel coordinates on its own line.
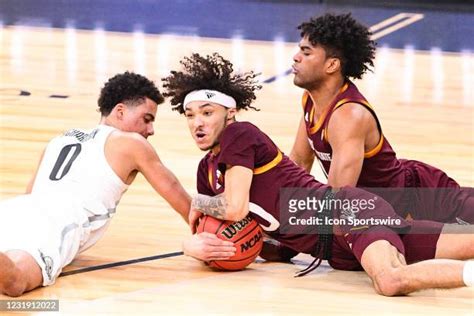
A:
(211, 205)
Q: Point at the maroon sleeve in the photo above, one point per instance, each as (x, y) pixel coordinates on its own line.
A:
(238, 146)
(202, 179)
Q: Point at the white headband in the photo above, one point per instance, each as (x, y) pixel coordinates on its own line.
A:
(210, 95)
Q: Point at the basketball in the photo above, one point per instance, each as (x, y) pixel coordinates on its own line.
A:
(246, 234)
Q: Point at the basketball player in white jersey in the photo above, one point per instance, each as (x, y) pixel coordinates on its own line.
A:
(80, 179)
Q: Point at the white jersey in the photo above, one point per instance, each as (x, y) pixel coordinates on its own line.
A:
(74, 167)
(73, 198)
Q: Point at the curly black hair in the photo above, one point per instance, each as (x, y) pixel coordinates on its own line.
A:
(212, 72)
(344, 38)
(127, 88)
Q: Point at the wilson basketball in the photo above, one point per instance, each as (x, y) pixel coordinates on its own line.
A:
(245, 234)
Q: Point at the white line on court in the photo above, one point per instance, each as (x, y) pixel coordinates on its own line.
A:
(402, 20)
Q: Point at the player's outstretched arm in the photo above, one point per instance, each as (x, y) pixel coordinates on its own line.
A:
(158, 175)
(346, 134)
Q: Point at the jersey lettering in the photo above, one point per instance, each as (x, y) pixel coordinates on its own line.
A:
(61, 167)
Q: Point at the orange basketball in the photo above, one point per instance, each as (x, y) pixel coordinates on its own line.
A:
(246, 235)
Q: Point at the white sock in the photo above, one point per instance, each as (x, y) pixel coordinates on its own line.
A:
(468, 273)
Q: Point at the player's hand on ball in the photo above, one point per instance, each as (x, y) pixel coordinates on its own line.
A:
(207, 247)
(194, 216)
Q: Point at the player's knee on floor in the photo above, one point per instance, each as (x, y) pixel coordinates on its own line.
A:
(390, 282)
(13, 285)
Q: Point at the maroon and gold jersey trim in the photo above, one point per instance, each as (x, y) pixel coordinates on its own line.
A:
(210, 176)
(321, 119)
(374, 151)
(304, 99)
(320, 122)
(315, 128)
(344, 87)
(306, 95)
(266, 167)
(359, 228)
(269, 165)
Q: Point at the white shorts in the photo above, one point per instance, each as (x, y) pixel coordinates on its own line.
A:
(49, 229)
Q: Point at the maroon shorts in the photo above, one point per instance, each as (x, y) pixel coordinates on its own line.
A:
(434, 196)
(416, 240)
(416, 245)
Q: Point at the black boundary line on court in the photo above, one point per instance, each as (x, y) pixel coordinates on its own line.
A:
(121, 263)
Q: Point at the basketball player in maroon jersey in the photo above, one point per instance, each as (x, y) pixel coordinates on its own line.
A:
(341, 130)
(244, 171)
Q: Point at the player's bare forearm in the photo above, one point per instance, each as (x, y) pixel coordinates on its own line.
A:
(181, 200)
(169, 187)
(346, 175)
(346, 164)
(214, 206)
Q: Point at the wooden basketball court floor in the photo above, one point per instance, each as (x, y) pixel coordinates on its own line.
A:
(50, 79)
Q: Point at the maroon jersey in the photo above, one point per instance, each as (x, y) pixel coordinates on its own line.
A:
(382, 169)
(243, 144)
